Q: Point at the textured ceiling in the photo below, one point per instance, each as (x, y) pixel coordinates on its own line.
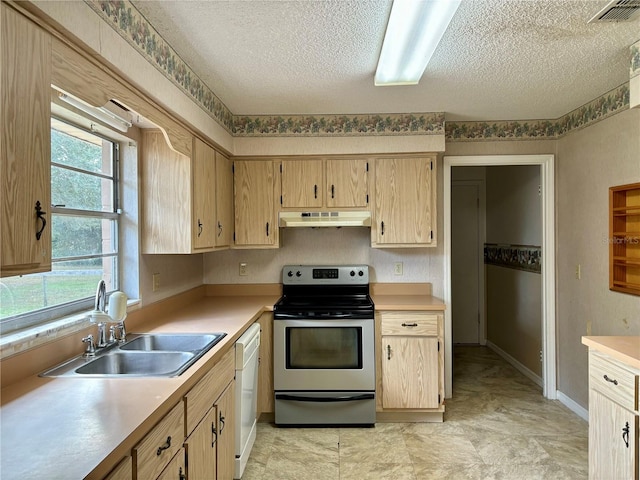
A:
(498, 60)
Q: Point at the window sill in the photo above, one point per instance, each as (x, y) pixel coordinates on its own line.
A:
(20, 341)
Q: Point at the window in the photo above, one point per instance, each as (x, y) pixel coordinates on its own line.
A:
(84, 229)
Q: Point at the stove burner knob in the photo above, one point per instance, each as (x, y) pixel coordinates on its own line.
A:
(360, 273)
(289, 273)
(298, 274)
(352, 273)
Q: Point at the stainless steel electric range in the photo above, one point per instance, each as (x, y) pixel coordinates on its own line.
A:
(323, 347)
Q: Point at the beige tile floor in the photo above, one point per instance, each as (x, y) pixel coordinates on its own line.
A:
(497, 426)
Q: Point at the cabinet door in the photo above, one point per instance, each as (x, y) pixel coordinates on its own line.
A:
(253, 201)
(226, 433)
(201, 448)
(347, 183)
(176, 469)
(204, 214)
(25, 145)
(302, 184)
(224, 201)
(410, 372)
(166, 197)
(123, 471)
(613, 439)
(404, 201)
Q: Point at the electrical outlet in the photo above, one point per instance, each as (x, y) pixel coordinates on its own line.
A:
(398, 268)
(578, 271)
(156, 282)
(243, 269)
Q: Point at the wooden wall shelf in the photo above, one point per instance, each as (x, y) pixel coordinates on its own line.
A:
(624, 238)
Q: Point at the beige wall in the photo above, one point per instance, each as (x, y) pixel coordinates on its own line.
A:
(589, 162)
(514, 297)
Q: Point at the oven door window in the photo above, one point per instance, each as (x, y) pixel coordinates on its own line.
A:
(324, 348)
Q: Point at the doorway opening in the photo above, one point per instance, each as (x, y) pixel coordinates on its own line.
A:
(468, 227)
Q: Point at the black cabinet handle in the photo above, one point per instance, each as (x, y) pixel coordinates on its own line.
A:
(615, 382)
(267, 229)
(381, 228)
(166, 445)
(409, 324)
(219, 229)
(333, 191)
(199, 227)
(40, 214)
(181, 476)
(625, 434)
(315, 191)
(388, 352)
(214, 434)
(221, 423)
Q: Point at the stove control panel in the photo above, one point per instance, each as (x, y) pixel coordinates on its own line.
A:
(325, 274)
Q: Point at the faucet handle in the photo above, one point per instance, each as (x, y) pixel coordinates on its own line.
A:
(122, 332)
(90, 351)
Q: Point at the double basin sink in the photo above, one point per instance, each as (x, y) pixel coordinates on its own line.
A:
(145, 355)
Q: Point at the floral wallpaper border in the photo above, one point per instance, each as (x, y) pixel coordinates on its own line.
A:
(608, 104)
(634, 69)
(519, 257)
(130, 24)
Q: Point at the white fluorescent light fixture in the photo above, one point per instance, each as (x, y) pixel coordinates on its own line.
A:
(101, 114)
(414, 30)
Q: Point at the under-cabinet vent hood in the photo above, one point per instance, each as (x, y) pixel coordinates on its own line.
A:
(325, 219)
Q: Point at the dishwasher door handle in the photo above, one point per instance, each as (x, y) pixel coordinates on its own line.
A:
(345, 398)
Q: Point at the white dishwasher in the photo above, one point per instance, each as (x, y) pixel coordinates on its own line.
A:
(247, 348)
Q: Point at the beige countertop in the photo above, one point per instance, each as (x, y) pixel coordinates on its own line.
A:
(623, 348)
(72, 428)
(407, 302)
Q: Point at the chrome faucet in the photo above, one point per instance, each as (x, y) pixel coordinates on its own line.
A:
(101, 297)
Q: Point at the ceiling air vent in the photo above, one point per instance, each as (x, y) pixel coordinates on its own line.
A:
(618, 11)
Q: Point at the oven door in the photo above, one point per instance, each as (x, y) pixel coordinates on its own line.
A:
(324, 355)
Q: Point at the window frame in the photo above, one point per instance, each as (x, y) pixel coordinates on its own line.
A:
(45, 315)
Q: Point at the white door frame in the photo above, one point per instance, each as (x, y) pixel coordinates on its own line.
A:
(547, 170)
(482, 238)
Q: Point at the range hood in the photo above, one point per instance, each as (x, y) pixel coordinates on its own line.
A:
(325, 219)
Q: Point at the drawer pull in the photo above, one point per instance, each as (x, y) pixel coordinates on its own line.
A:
(615, 382)
(409, 324)
(166, 445)
(625, 434)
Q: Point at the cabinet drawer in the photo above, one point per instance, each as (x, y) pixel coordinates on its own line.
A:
(155, 451)
(201, 397)
(613, 380)
(409, 323)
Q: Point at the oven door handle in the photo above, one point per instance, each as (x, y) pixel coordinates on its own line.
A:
(346, 398)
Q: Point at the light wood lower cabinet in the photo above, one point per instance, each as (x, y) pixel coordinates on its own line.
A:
(123, 471)
(210, 420)
(265, 365)
(160, 445)
(613, 419)
(411, 354)
(176, 469)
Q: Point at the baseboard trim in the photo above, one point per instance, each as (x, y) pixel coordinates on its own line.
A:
(573, 406)
(516, 364)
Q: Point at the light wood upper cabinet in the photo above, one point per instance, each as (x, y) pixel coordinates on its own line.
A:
(302, 183)
(224, 201)
(179, 197)
(204, 167)
(324, 183)
(347, 184)
(25, 145)
(405, 202)
(254, 196)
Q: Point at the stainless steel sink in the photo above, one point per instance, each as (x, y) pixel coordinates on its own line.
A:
(138, 364)
(145, 355)
(169, 342)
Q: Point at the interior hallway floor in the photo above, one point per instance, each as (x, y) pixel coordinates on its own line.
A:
(497, 426)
